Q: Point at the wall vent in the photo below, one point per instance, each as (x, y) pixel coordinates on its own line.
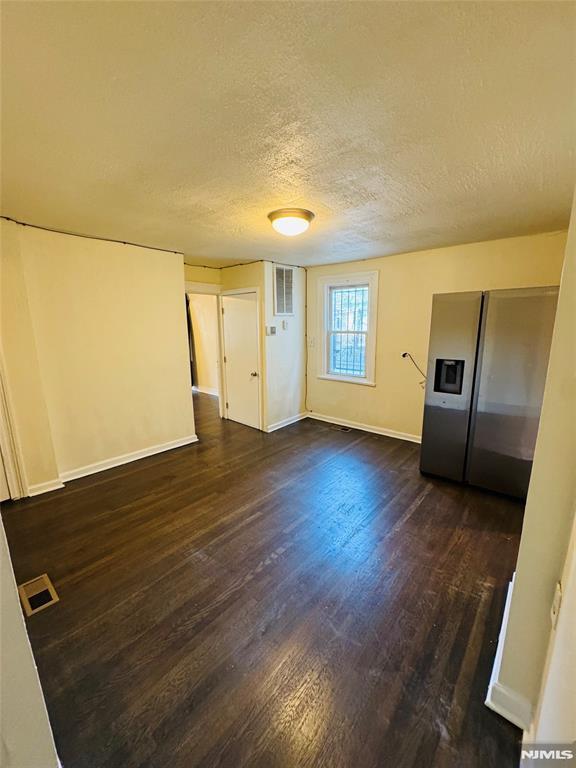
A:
(37, 594)
(283, 290)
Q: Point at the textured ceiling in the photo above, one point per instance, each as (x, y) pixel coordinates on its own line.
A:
(182, 124)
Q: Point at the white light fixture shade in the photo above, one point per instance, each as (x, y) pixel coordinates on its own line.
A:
(290, 226)
(291, 221)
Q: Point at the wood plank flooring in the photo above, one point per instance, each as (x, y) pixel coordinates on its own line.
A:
(304, 598)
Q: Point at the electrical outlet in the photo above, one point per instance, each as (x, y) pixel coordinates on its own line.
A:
(556, 602)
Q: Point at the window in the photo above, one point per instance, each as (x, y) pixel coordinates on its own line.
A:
(347, 331)
(348, 317)
(283, 291)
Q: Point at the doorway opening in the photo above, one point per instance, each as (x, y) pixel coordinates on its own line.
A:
(204, 343)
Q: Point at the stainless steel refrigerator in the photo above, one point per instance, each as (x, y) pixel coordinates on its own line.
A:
(487, 363)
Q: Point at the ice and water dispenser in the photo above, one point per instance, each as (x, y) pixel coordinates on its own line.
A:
(449, 375)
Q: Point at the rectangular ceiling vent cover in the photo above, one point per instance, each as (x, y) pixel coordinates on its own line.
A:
(283, 291)
(37, 594)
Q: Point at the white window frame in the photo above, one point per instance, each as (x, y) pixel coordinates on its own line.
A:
(341, 281)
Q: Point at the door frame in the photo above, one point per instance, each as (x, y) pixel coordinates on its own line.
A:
(9, 443)
(223, 383)
(208, 289)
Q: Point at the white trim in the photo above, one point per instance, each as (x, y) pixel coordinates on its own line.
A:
(126, 458)
(365, 427)
(221, 371)
(10, 449)
(500, 698)
(348, 379)
(240, 291)
(211, 289)
(371, 279)
(286, 422)
(511, 705)
(49, 485)
(500, 648)
(213, 391)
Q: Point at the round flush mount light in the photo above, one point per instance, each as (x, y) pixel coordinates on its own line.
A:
(291, 221)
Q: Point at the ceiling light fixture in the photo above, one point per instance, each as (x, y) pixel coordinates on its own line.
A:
(291, 221)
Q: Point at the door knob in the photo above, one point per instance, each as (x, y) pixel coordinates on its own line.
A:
(254, 373)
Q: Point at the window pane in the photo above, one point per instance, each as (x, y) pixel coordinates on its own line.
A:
(348, 354)
(349, 308)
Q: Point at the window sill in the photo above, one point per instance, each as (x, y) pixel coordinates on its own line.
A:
(347, 379)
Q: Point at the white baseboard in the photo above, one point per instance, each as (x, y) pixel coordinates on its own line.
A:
(365, 427)
(501, 698)
(206, 390)
(126, 458)
(286, 422)
(50, 485)
(510, 704)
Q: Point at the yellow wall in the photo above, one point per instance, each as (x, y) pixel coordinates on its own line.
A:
(202, 275)
(204, 317)
(109, 326)
(550, 506)
(406, 285)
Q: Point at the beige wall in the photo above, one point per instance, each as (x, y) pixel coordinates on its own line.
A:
(202, 275)
(243, 276)
(406, 285)
(25, 734)
(204, 317)
(109, 327)
(550, 504)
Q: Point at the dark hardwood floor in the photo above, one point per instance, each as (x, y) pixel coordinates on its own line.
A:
(303, 598)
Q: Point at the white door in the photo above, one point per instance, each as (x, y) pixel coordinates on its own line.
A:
(241, 365)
